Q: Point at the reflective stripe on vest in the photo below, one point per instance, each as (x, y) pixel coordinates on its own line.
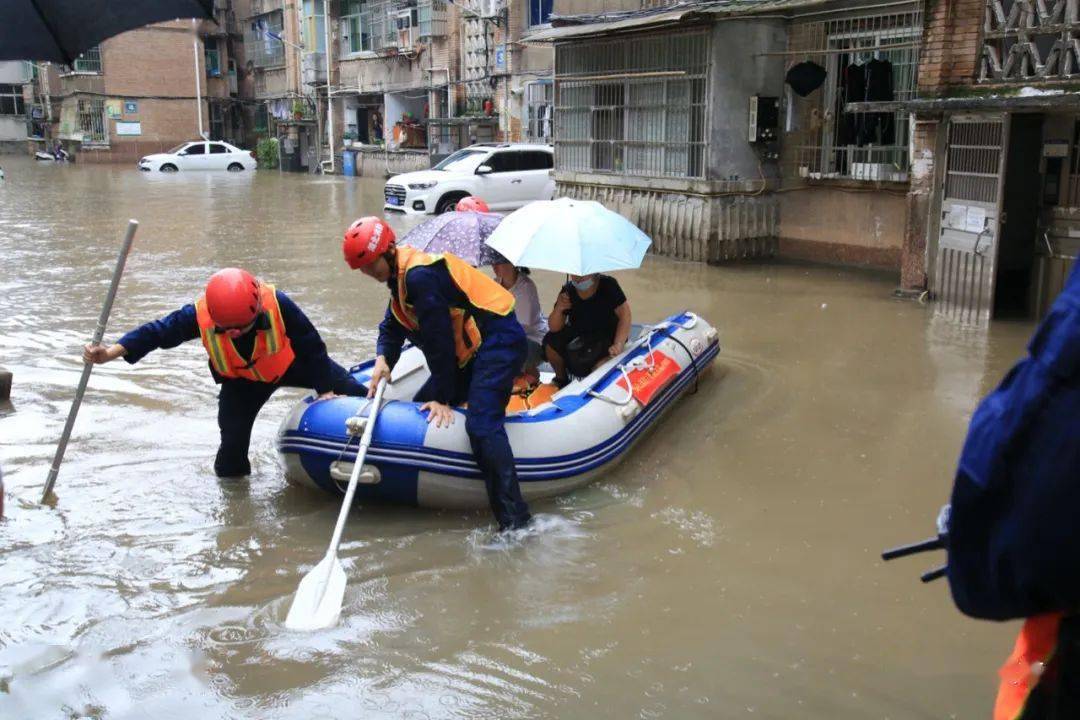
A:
(481, 291)
(1020, 674)
(271, 356)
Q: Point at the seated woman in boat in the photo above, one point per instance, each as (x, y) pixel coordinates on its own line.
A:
(589, 324)
(526, 309)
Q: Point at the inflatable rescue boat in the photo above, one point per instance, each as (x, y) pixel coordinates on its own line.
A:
(562, 439)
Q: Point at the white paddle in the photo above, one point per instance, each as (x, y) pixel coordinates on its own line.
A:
(317, 603)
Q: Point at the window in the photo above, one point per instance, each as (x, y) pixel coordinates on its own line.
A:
(1023, 42)
(539, 110)
(262, 43)
(212, 58)
(630, 124)
(196, 149)
(867, 58)
(540, 12)
(314, 28)
(88, 62)
(11, 100)
(218, 149)
(536, 160)
(90, 119)
(462, 161)
(355, 27)
(501, 162)
(431, 18)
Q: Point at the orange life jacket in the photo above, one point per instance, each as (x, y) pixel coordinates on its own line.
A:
(271, 356)
(1022, 671)
(480, 290)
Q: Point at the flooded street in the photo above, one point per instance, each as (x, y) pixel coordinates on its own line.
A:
(729, 568)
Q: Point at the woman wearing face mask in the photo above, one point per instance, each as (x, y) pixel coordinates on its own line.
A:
(589, 324)
(527, 310)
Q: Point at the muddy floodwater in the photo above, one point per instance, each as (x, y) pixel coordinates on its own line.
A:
(728, 568)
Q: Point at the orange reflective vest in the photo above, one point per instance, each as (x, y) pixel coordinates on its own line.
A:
(481, 291)
(271, 356)
(1020, 674)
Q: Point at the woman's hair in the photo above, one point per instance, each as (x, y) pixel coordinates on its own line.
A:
(524, 271)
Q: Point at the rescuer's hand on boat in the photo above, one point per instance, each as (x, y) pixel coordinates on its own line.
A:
(99, 354)
(443, 415)
(616, 348)
(380, 371)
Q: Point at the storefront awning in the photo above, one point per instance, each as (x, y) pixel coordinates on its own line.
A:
(1032, 99)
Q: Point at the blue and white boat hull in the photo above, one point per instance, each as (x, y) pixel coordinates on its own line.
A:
(559, 445)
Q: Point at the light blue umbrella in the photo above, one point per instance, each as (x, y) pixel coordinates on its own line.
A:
(578, 237)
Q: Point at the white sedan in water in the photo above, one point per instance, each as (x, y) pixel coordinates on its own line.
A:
(200, 155)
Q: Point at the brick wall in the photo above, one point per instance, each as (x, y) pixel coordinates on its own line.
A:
(951, 44)
(155, 61)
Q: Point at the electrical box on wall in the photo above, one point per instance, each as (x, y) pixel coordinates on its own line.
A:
(764, 118)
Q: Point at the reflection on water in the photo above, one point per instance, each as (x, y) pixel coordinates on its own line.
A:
(728, 568)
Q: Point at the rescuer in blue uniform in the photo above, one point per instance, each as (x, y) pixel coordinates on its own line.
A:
(1014, 523)
(257, 340)
(474, 346)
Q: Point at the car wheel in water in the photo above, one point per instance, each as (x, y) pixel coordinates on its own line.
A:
(236, 167)
(447, 203)
(169, 167)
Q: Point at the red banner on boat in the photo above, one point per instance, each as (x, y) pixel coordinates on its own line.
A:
(646, 381)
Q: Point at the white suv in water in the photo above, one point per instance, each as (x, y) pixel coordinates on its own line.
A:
(504, 176)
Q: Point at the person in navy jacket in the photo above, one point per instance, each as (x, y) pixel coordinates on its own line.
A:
(1012, 537)
(257, 340)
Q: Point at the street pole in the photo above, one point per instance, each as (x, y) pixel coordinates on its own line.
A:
(198, 83)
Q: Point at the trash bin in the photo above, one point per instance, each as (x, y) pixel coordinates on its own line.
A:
(348, 163)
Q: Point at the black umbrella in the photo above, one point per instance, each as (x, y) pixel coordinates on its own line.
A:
(59, 30)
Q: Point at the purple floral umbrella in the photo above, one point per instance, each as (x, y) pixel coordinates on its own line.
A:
(460, 233)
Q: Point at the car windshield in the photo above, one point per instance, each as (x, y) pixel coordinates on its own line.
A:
(177, 149)
(462, 161)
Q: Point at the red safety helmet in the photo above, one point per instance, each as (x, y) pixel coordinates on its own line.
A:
(365, 241)
(473, 203)
(232, 298)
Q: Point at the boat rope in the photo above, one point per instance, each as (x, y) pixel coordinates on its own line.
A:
(647, 361)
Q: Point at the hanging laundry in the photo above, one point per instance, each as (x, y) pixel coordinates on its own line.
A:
(805, 78)
(878, 128)
(852, 89)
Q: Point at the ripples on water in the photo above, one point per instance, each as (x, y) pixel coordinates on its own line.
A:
(728, 568)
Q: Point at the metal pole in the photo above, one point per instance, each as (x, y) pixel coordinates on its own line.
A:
(198, 82)
(99, 333)
(329, 95)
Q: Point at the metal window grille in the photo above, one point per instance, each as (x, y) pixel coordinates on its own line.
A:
(539, 111)
(974, 160)
(87, 62)
(11, 100)
(1024, 40)
(633, 106)
(355, 27)
(90, 117)
(313, 29)
(212, 58)
(259, 47)
(827, 140)
(432, 18)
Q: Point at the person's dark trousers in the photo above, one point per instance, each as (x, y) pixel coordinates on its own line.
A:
(239, 401)
(497, 363)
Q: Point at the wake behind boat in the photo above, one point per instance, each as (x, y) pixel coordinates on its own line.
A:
(562, 439)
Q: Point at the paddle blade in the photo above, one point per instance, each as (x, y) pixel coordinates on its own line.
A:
(318, 599)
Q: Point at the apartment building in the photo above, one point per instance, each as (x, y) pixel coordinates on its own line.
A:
(145, 91)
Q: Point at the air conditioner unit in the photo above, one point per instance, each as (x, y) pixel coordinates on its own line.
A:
(491, 8)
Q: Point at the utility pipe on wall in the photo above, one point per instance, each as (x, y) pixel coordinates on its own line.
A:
(198, 84)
